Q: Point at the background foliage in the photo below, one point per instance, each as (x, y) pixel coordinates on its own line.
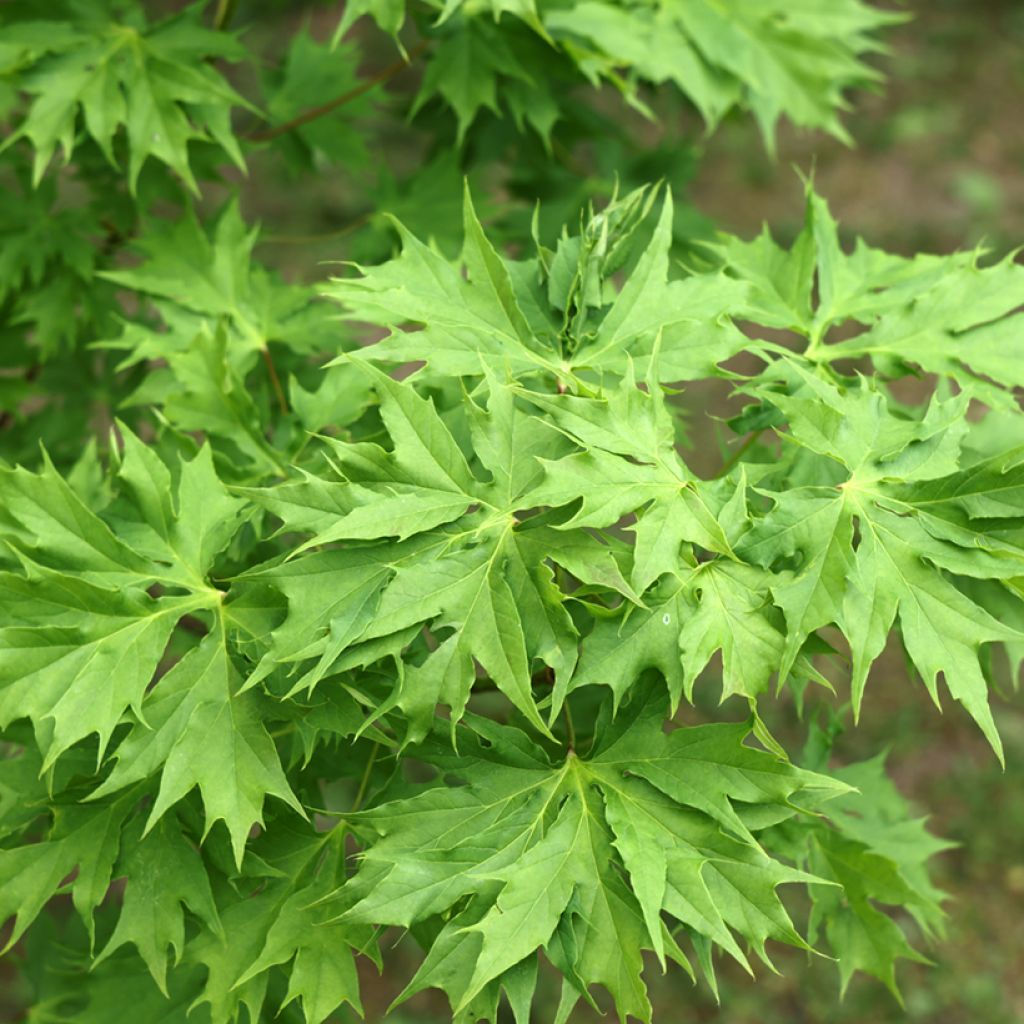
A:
(77, 241)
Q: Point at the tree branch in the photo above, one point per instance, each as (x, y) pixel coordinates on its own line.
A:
(739, 453)
(339, 101)
(274, 379)
(225, 12)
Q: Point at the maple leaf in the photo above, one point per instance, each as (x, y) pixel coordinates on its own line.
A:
(154, 81)
(92, 622)
(203, 388)
(278, 919)
(544, 852)
(82, 838)
(466, 69)
(946, 314)
(770, 59)
(164, 873)
(898, 566)
(196, 730)
(466, 324)
(281, 597)
(464, 564)
(47, 267)
(630, 461)
(876, 850)
(500, 320)
(200, 281)
(767, 58)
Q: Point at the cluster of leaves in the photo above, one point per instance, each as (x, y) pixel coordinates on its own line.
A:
(769, 57)
(305, 638)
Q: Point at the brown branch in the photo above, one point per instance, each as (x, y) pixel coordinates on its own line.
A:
(739, 453)
(364, 782)
(275, 380)
(339, 101)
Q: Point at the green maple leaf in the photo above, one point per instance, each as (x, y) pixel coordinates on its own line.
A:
(164, 874)
(501, 321)
(464, 563)
(322, 967)
(283, 603)
(630, 463)
(198, 280)
(50, 672)
(203, 388)
(185, 532)
(221, 312)
(771, 59)
(877, 852)
(584, 857)
(617, 650)
(86, 623)
(650, 42)
(467, 324)
(946, 314)
(715, 606)
(959, 328)
(47, 267)
(93, 629)
(24, 793)
(280, 922)
(82, 838)
(197, 730)
(388, 14)
(155, 82)
(899, 565)
(466, 69)
(876, 814)
(679, 326)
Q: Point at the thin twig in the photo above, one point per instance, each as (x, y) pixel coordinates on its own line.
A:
(275, 380)
(570, 727)
(739, 453)
(364, 783)
(225, 12)
(323, 236)
(339, 101)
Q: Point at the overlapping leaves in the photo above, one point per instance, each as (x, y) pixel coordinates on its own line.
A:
(521, 514)
(948, 315)
(767, 57)
(645, 843)
(527, 524)
(553, 316)
(90, 71)
(461, 558)
(872, 513)
(92, 604)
